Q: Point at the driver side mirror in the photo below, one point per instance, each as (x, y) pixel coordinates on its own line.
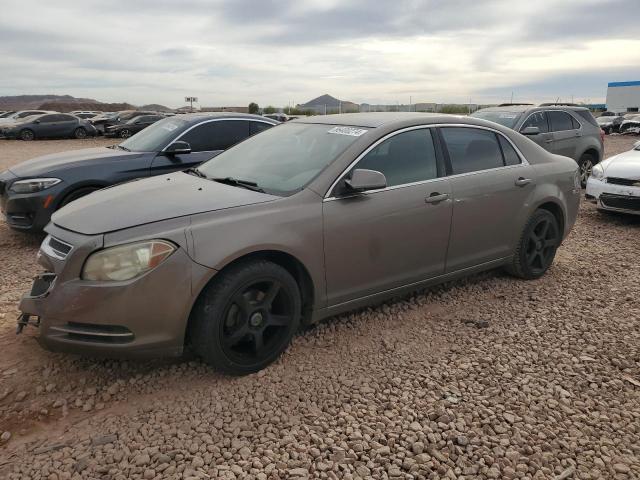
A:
(178, 148)
(363, 180)
(530, 131)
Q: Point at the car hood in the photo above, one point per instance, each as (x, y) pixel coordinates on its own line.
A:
(624, 165)
(151, 200)
(47, 164)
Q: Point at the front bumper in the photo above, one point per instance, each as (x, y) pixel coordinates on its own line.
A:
(143, 317)
(612, 197)
(29, 211)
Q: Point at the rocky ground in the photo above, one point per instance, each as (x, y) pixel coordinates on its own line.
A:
(490, 377)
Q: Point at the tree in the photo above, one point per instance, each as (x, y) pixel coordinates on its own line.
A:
(254, 107)
(269, 109)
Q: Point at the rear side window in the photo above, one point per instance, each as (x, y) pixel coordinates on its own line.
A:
(509, 153)
(48, 119)
(218, 135)
(537, 119)
(65, 118)
(404, 158)
(257, 127)
(472, 149)
(560, 121)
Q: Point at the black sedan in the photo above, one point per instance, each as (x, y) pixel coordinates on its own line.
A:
(132, 126)
(49, 125)
(31, 191)
(106, 120)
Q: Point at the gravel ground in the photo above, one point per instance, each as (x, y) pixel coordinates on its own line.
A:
(490, 377)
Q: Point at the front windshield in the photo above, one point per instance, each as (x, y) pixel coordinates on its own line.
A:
(155, 137)
(508, 119)
(285, 158)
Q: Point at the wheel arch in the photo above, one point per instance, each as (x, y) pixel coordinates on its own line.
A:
(556, 210)
(286, 260)
(94, 184)
(593, 152)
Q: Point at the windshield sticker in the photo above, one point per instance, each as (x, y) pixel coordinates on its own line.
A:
(170, 126)
(352, 132)
(508, 115)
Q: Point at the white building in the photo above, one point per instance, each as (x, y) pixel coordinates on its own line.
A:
(623, 96)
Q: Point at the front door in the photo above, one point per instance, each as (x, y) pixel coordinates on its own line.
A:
(394, 236)
(490, 185)
(545, 137)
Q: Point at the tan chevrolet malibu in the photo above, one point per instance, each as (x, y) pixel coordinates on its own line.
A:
(303, 221)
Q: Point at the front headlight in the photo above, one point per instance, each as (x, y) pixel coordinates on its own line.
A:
(33, 185)
(597, 172)
(125, 262)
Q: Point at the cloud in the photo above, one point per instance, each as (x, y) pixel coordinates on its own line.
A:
(230, 52)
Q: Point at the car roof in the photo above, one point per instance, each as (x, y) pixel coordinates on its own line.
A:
(198, 117)
(378, 119)
(527, 108)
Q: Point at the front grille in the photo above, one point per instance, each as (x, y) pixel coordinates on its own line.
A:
(56, 248)
(621, 202)
(89, 332)
(627, 182)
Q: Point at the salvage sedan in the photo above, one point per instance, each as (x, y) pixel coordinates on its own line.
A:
(31, 191)
(50, 125)
(615, 183)
(304, 221)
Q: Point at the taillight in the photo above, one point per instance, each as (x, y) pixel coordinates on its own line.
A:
(602, 135)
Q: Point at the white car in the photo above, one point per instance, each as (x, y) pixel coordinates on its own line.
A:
(614, 183)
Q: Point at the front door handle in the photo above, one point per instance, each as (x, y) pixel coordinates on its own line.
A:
(436, 197)
(521, 182)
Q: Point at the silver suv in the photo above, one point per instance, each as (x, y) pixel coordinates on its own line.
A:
(564, 130)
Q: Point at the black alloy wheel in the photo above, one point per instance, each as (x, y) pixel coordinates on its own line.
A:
(125, 133)
(537, 247)
(246, 317)
(27, 135)
(80, 133)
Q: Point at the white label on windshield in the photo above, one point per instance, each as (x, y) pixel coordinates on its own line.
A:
(169, 126)
(508, 115)
(352, 132)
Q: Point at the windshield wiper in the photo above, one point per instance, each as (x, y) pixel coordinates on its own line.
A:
(196, 172)
(239, 183)
(123, 148)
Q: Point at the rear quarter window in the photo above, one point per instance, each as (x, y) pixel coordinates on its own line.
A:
(585, 114)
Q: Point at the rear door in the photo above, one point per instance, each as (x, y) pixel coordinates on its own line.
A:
(398, 235)
(490, 183)
(65, 125)
(207, 140)
(46, 126)
(566, 131)
(545, 137)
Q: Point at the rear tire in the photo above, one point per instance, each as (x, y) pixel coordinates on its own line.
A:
(537, 246)
(245, 318)
(586, 164)
(80, 133)
(27, 135)
(125, 133)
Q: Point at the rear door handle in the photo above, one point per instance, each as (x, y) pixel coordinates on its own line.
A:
(437, 197)
(521, 182)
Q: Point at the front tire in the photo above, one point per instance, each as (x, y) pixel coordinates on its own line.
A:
(125, 133)
(245, 319)
(537, 246)
(27, 135)
(586, 164)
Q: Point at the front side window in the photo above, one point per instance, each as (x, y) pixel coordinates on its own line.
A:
(560, 121)
(404, 158)
(283, 160)
(537, 119)
(217, 135)
(472, 149)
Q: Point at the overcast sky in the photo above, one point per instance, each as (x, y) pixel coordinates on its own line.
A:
(230, 52)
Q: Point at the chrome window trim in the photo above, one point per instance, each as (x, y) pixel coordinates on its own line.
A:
(215, 120)
(523, 160)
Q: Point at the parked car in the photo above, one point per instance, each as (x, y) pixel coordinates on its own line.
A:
(630, 124)
(103, 122)
(609, 124)
(132, 126)
(86, 116)
(7, 113)
(31, 191)
(306, 220)
(85, 112)
(16, 116)
(49, 125)
(564, 130)
(614, 184)
(280, 117)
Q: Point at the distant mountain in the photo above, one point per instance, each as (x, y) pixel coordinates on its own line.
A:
(68, 103)
(325, 99)
(24, 102)
(328, 103)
